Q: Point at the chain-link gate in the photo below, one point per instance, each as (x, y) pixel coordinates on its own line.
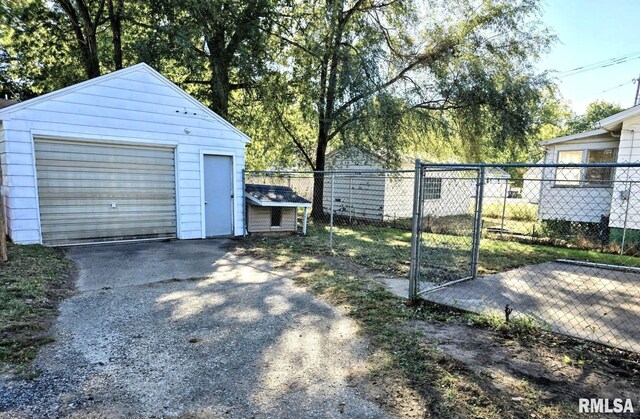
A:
(447, 226)
(553, 244)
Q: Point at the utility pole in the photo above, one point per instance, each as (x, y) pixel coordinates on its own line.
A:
(637, 100)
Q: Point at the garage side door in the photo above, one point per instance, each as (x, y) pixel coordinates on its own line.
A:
(100, 192)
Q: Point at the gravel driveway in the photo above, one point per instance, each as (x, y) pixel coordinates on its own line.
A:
(140, 339)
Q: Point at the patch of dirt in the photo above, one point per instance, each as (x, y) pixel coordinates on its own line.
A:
(548, 367)
(553, 373)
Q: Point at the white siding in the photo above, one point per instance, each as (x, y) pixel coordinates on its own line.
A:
(583, 204)
(134, 107)
(531, 184)
(355, 195)
(627, 179)
(457, 195)
(495, 189)
(398, 196)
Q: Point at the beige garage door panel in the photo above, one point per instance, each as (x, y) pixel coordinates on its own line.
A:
(78, 183)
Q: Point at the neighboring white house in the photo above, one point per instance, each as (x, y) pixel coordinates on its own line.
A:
(587, 195)
(389, 196)
(124, 156)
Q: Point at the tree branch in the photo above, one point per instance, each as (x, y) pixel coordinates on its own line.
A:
(424, 59)
(295, 141)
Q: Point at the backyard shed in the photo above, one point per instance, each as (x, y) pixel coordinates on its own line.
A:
(125, 156)
(274, 208)
(363, 190)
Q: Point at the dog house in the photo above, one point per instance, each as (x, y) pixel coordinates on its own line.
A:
(272, 208)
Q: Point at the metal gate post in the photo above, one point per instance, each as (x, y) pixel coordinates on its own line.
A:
(626, 216)
(333, 178)
(416, 227)
(477, 224)
(504, 205)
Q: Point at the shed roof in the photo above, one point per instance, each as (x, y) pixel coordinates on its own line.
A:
(614, 122)
(497, 173)
(274, 196)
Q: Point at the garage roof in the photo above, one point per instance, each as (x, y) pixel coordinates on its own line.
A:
(274, 196)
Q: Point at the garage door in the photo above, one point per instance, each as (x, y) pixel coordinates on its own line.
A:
(92, 192)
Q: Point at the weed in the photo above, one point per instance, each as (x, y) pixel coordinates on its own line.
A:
(31, 282)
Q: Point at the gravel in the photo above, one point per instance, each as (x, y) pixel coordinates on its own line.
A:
(240, 342)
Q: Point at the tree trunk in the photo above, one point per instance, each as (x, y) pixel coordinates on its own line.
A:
(115, 22)
(92, 64)
(219, 87)
(317, 210)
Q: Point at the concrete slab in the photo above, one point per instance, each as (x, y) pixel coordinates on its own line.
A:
(586, 302)
(126, 264)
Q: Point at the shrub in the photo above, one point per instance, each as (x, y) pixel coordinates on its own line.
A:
(586, 235)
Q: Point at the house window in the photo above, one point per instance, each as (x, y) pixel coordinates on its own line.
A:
(585, 176)
(276, 216)
(599, 176)
(432, 188)
(569, 176)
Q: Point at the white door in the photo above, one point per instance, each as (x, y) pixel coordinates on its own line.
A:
(100, 192)
(218, 195)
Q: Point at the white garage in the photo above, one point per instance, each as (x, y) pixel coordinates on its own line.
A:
(125, 156)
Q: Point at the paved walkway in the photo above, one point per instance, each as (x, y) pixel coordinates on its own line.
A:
(241, 342)
(602, 305)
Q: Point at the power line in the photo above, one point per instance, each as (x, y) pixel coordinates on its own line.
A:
(618, 86)
(627, 54)
(601, 64)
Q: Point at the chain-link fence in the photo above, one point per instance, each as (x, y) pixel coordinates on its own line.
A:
(554, 245)
(551, 244)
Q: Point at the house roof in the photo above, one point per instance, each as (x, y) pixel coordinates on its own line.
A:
(7, 102)
(612, 122)
(602, 127)
(274, 196)
(115, 74)
(579, 136)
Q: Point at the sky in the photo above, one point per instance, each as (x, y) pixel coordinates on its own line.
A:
(591, 31)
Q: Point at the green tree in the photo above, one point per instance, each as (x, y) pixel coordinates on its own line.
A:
(596, 111)
(351, 70)
(219, 43)
(37, 54)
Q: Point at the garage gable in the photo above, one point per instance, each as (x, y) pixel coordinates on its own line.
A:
(137, 93)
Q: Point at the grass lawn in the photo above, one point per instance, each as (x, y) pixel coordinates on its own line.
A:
(32, 281)
(387, 249)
